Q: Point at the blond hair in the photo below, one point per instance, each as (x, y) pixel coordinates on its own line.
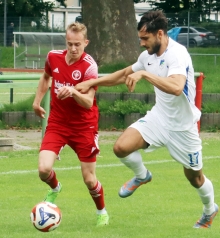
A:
(77, 27)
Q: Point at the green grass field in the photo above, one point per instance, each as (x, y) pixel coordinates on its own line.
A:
(167, 207)
(18, 95)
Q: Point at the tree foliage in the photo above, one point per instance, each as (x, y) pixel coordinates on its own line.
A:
(177, 10)
(175, 6)
(34, 9)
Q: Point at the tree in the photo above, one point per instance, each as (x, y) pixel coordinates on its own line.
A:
(112, 30)
(216, 7)
(180, 8)
(35, 10)
(181, 5)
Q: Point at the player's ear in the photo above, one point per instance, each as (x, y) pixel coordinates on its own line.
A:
(160, 33)
(86, 42)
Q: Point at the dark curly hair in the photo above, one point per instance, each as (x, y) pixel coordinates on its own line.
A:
(153, 21)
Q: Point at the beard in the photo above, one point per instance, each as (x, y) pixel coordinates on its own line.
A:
(154, 48)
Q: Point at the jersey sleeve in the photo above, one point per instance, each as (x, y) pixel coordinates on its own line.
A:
(178, 63)
(139, 65)
(47, 65)
(91, 73)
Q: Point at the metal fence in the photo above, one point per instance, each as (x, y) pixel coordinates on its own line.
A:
(57, 22)
(33, 48)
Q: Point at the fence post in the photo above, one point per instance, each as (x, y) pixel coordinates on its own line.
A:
(11, 95)
(198, 98)
(47, 109)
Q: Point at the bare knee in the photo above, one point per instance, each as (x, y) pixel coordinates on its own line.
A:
(45, 163)
(120, 150)
(90, 181)
(196, 182)
(43, 171)
(196, 178)
(130, 141)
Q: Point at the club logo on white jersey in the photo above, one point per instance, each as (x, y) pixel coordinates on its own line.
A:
(162, 63)
(56, 70)
(76, 75)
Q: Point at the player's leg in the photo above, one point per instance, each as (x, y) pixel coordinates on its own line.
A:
(126, 149)
(147, 134)
(51, 146)
(96, 191)
(185, 147)
(205, 190)
(48, 175)
(85, 144)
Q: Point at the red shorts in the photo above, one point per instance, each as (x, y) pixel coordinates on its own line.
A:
(85, 144)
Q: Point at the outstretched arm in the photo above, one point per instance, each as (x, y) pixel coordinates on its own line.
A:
(115, 78)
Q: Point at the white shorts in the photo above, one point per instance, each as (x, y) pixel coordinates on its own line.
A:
(184, 146)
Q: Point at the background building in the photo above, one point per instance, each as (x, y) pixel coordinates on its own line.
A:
(60, 17)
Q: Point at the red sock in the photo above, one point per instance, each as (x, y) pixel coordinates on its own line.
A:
(51, 180)
(98, 196)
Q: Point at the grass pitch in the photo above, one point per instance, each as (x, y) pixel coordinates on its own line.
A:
(166, 207)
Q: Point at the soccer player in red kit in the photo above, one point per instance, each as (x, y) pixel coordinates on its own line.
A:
(73, 118)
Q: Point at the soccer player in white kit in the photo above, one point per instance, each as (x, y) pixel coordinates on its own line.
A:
(172, 122)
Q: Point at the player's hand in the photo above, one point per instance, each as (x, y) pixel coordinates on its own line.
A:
(65, 92)
(132, 79)
(39, 111)
(83, 87)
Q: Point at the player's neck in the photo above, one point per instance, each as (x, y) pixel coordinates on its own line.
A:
(163, 46)
(69, 60)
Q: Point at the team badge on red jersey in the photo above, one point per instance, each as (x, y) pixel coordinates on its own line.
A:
(76, 75)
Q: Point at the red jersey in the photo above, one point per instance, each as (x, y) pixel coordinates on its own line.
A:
(68, 112)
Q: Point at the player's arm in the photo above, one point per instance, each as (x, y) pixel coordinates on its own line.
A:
(173, 84)
(42, 88)
(85, 100)
(115, 78)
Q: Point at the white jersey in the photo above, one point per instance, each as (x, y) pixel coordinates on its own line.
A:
(175, 113)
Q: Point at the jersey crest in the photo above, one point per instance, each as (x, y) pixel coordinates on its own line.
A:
(76, 75)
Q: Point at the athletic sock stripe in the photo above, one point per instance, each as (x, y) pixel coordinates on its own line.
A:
(50, 177)
(97, 189)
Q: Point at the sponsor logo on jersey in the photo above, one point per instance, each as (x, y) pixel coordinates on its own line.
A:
(76, 75)
(56, 70)
(58, 85)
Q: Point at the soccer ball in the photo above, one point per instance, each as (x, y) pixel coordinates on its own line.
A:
(45, 216)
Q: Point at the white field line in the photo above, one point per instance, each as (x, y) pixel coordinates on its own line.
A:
(100, 166)
(15, 93)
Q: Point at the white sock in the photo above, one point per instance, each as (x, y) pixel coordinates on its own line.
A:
(206, 193)
(57, 188)
(100, 212)
(134, 162)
